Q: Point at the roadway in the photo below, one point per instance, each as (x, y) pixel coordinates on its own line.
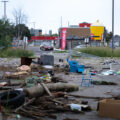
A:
(37, 51)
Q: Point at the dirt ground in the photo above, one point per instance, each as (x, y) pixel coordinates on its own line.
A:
(96, 90)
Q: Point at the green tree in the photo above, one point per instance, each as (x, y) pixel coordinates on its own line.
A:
(108, 36)
(6, 33)
(22, 30)
(55, 34)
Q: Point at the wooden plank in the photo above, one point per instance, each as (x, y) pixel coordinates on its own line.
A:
(46, 89)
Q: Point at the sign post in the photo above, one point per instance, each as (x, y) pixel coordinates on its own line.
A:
(63, 38)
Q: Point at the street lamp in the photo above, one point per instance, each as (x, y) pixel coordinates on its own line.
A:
(112, 25)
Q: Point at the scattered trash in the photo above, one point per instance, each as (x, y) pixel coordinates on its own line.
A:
(75, 67)
(86, 82)
(24, 68)
(84, 102)
(118, 72)
(49, 69)
(18, 117)
(58, 79)
(35, 80)
(26, 61)
(42, 93)
(109, 72)
(3, 84)
(76, 107)
(14, 75)
(46, 78)
(70, 119)
(47, 60)
(107, 62)
(61, 60)
(103, 83)
(80, 107)
(59, 94)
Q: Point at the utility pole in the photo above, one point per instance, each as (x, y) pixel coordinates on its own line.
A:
(112, 25)
(5, 16)
(34, 32)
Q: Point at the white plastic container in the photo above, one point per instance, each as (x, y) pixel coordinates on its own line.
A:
(76, 107)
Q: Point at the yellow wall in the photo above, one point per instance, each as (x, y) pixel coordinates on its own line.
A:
(97, 31)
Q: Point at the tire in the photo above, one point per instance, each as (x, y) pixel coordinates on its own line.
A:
(12, 99)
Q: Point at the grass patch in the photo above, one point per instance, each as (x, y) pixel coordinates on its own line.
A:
(101, 51)
(15, 53)
(64, 51)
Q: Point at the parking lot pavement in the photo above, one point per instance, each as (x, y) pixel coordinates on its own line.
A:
(37, 51)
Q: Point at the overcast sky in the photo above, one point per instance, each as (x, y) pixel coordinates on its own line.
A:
(47, 13)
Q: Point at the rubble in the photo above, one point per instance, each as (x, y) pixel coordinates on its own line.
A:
(104, 83)
(47, 94)
(108, 62)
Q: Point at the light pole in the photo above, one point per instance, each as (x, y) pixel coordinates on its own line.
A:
(34, 32)
(112, 25)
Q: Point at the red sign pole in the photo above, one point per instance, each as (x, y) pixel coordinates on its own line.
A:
(63, 38)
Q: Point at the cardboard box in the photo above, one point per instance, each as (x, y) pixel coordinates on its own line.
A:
(109, 108)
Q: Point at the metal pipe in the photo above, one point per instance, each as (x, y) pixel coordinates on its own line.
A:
(112, 25)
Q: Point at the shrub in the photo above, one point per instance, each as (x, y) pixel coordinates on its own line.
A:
(101, 51)
(15, 53)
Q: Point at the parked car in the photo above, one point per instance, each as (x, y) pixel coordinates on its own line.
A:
(46, 46)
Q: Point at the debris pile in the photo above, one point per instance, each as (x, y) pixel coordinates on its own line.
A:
(108, 62)
(35, 91)
(49, 106)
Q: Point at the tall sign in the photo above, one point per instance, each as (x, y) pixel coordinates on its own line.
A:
(63, 38)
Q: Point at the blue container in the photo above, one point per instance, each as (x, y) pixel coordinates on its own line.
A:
(73, 69)
(73, 66)
(81, 68)
(73, 63)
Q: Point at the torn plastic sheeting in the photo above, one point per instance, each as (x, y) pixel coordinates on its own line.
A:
(24, 68)
(3, 83)
(75, 107)
(109, 72)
